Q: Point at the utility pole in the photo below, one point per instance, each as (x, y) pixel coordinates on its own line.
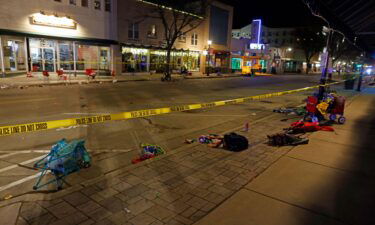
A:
(209, 42)
(323, 78)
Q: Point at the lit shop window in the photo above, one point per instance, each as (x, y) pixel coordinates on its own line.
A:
(107, 5)
(14, 55)
(66, 58)
(85, 3)
(134, 59)
(194, 39)
(92, 57)
(73, 2)
(97, 4)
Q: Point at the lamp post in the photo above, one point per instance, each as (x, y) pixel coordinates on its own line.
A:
(209, 42)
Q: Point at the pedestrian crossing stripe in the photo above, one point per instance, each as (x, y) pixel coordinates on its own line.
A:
(54, 124)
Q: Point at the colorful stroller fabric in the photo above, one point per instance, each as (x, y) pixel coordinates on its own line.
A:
(64, 158)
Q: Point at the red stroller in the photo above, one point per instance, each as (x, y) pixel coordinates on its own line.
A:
(337, 109)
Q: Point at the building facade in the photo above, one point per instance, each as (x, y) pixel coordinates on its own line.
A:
(51, 35)
(281, 51)
(105, 36)
(142, 40)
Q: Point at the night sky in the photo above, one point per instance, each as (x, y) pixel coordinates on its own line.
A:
(280, 13)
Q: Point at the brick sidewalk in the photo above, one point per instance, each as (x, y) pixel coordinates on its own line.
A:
(179, 188)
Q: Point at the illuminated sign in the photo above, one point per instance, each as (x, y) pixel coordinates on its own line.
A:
(256, 46)
(53, 21)
(256, 27)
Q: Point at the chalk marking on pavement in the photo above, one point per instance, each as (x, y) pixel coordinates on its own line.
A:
(70, 127)
(7, 155)
(17, 182)
(21, 163)
(47, 151)
(25, 179)
(25, 100)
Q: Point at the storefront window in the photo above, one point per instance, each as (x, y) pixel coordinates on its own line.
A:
(14, 54)
(142, 60)
(66, 55)
(104, 58)
(87, 57)
(157, 60)
(43, 54)
(134, 59)
(236, 63)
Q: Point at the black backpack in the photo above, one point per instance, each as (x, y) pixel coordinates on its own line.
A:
(235, 142)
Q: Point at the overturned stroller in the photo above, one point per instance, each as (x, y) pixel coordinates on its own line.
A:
(64, 158)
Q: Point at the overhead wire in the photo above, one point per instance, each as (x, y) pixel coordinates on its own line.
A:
(307, 3)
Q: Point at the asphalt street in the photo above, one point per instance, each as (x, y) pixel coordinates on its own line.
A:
(114, 144)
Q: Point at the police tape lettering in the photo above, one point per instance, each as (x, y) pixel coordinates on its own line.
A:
(208, 105)
(143, 113)
(180, 108)
(93, 119)
(230, 102)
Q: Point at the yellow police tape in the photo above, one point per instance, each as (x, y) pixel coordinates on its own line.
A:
(40, 126)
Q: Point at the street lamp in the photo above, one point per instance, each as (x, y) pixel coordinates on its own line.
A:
(209, 42)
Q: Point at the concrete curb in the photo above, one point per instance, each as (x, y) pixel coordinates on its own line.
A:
(98, 81)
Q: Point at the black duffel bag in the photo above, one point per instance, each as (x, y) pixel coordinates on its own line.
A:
(234, 142)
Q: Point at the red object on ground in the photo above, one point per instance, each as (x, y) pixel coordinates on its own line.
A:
(311, 104)
(45, 73)
(310, 126)
(90, 73)
(113, 73)
(29, 74)
(61, 74)
(141, 159)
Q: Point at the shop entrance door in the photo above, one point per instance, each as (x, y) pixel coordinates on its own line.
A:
(49, 59)
(43, 59)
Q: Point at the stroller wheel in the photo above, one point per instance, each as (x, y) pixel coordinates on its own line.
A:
(314, 119)
(341, 120)
(332, 117)
(307, 118)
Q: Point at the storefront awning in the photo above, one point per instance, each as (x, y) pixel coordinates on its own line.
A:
(36, 35)
(153, 47)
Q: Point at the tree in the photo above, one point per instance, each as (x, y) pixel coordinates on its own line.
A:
(178, 18)
(312, 41)
(341, 49)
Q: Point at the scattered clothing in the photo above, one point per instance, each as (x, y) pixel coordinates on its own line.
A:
(148, 151)
(282, 139)
(212, 140)
(304, 127)
(232, 141)
(291, 111)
